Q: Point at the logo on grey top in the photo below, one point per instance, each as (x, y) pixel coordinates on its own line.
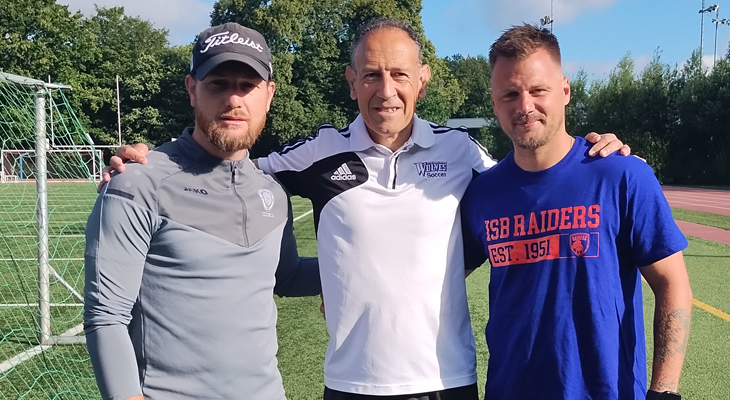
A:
(198, 191)
(268, 199)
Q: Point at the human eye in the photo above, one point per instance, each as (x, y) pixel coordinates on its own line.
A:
(509, 96)
(247, 85)
(218, 84)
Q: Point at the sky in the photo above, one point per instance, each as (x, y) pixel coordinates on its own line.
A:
(593, 34)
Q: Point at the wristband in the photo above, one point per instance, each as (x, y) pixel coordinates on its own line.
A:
(654, 395)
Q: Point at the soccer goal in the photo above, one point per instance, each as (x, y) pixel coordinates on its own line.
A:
(62, 165)
(48, 169)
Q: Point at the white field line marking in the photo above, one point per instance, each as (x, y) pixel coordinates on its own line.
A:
(35, 236)
(31, 212)
(18, 305)
(303, 215)
(67, 285)
(27, 355)
(36, 259)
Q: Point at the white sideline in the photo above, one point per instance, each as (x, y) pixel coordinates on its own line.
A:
(18, 305)
(27, 355)
(303, 215)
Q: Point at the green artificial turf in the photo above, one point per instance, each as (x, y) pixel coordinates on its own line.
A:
(717, 221)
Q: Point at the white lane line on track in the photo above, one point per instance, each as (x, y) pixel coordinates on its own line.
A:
(699, 205)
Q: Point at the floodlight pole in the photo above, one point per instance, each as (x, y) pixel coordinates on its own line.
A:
(702, 28)
(717, 23)
(44, 268)
(551, 16)
(119, 115)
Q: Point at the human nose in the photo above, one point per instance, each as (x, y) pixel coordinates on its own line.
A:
(387, 87)
(235, 99)
(526, 103)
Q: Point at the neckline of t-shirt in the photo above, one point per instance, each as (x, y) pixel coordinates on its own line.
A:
(575, 151)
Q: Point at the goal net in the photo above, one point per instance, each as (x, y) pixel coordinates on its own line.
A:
(69, 165)
(48, 168)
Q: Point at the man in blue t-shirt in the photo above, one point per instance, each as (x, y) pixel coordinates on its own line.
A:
(569, 237)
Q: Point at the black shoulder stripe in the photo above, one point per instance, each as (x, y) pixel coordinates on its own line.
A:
(287, 147)
(345, 131)
(481, 148)
(293, 145)
(444, 129)
(117, 192)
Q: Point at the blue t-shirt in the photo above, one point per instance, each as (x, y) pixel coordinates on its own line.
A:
(565, 302)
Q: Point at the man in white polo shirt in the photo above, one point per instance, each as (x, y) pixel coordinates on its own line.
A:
(386, 192)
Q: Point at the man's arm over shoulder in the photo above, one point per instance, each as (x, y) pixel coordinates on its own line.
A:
(474, 253)
(295, 276)
(118, 235)
(295, 156)
(288, 164)
(479, 156)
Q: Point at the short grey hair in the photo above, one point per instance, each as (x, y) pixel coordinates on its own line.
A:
(377, 24)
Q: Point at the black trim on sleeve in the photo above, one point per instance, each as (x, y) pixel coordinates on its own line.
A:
(117, 192)
(325, 179)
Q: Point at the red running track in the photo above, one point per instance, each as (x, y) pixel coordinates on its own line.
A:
(705, 232)
(702, 200)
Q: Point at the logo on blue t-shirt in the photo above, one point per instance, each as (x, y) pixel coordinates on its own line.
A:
(550, 239)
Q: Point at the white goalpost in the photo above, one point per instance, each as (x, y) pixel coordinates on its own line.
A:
(48, 172)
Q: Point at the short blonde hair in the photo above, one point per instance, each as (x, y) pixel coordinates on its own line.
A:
(521, 41)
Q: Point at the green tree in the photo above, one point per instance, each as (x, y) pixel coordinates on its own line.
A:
(474, 77)
(39, 38)
(638, 109)
(576, 113)
(700, 151)
(135, 51)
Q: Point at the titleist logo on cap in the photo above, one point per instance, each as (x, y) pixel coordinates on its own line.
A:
(223, 38)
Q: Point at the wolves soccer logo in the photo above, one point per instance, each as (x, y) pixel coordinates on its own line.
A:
(579, 243)
(432, 169)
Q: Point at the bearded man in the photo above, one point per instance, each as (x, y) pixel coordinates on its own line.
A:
(178, 296)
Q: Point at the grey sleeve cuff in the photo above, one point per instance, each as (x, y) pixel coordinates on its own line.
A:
(114, 362)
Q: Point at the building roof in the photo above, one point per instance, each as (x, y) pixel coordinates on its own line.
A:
(466, 122)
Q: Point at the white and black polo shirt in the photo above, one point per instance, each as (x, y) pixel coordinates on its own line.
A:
(391, 253)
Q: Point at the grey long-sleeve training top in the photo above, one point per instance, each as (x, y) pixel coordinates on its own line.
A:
(182, 256)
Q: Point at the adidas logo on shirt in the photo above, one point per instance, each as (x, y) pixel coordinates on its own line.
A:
(343, 174)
